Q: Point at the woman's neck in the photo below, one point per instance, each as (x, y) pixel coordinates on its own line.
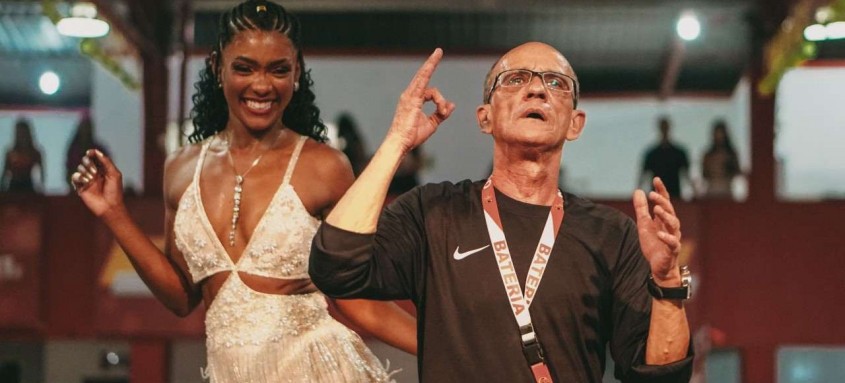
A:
(246, 140)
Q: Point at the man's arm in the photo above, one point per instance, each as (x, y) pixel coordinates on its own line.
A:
(342, 262)
(660, 240)
(359, 208)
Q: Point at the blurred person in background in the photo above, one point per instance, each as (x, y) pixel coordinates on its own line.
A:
(351, 143)
(720, 164)
(668, 161)
(83, 140)
(22, 160)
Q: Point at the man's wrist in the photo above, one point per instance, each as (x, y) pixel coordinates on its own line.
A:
(670, 288)
(672, 278)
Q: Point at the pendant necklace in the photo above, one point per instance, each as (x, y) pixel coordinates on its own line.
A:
(239, 181)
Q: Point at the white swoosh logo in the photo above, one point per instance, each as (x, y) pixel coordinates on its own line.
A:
(459, 255)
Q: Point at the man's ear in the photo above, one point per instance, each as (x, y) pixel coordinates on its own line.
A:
(576, 126)
(482, 114)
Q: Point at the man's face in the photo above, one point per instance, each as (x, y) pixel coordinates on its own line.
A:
(531, 114)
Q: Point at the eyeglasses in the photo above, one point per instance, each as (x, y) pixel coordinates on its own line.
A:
(553, 81)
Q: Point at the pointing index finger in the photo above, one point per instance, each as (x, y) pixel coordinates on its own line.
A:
(420, 81)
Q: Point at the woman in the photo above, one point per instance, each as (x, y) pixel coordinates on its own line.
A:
(21, 160)
(242, 207)
(720, 164)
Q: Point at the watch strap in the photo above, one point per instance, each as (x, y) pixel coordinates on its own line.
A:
(681, 292)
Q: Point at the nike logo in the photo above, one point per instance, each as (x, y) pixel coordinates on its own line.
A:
(459, 255)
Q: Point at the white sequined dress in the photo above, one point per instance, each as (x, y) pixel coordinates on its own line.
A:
(257, 337)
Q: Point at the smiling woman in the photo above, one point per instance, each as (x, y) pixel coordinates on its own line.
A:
(242, 205)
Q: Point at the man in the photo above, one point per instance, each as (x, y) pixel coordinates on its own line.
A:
(494, 305)
(667, 161)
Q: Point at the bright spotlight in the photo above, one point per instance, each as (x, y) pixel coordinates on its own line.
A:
(688, 27)
(112, 358)
(83, 22)
(49, 82)
(815, 32)
(836, 30)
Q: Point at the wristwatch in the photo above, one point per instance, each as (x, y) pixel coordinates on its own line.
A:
(682, 292)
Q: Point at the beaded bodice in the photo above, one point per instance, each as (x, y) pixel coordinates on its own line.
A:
(278, 248)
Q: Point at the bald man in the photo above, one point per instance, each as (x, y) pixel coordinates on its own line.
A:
(506, 289)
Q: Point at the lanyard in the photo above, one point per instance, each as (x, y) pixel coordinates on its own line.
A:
(521, 302)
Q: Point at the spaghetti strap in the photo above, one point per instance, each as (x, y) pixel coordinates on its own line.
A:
(201, 159)
(293, 158)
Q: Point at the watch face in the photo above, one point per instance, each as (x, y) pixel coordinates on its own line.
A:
(686, 277)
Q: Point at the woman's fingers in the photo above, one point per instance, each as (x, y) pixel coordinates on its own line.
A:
(78, 181)
(108, 167)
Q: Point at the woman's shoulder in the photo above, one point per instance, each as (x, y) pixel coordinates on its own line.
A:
(178, 171)
(323, 158)
(183, 156)
(322, 175)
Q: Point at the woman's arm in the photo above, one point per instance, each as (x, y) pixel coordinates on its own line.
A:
(99, 184)
(385, 320)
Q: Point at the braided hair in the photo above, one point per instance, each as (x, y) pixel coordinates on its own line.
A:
(210, 112)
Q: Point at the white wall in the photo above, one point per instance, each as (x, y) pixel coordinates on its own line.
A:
(117, 113)
(605, 161)
(810, 127)
(369, 88)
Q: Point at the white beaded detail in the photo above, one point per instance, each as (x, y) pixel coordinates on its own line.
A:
(280, 244)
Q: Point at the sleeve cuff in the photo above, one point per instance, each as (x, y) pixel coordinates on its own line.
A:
(675, 372)
(334, 239)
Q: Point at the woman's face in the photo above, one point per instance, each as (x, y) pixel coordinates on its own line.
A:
(23, 135)
(719, 135)
(257, 71)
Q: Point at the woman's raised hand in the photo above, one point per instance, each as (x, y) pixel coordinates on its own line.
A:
(99, 183)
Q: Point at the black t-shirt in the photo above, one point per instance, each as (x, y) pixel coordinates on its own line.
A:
(667, 162)
(592, 293)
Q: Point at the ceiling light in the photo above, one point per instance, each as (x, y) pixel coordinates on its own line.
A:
(83, 22)
(49, 82)
(819, 32)
(688, 27)
(823, 14)
(836, 30)
(815, 32)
